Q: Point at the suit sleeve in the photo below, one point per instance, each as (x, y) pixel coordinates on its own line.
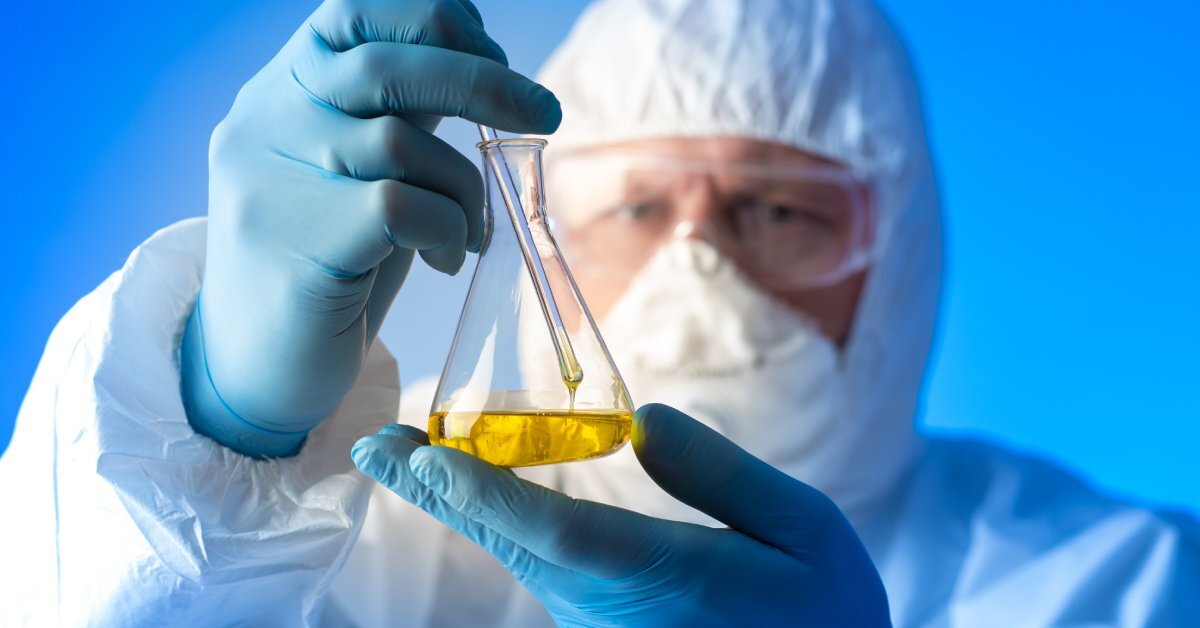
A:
(119, 514)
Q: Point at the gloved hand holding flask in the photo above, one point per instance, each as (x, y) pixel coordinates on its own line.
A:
(325, 178)
(788, 557)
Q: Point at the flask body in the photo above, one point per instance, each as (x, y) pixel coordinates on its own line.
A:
(528, 380)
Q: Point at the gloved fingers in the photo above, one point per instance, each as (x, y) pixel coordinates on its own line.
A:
(385, 458)
(390, 147)
(388, 280)
(425, 221)
(706, 471)
(345, 226)
(348, 227)
(376, 79)
(360, 222)
(470, 8)
(332, 221)
(593, 539)
(451, 24)
(403, 430)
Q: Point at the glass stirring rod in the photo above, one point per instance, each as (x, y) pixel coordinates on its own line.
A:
(572, 373)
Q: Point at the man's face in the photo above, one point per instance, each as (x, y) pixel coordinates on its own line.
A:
(787, 218)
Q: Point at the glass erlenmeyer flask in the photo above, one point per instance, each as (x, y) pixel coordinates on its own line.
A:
(519, 388)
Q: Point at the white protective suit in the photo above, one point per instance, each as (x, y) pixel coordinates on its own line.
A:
(119, 514)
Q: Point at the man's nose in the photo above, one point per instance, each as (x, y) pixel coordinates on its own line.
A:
(699, 211)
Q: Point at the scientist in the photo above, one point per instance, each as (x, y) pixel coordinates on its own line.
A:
(746, 189)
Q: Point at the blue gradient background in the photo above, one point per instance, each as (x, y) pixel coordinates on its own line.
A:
(1065, 139)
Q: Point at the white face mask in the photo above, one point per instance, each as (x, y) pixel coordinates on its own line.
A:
(692, 333)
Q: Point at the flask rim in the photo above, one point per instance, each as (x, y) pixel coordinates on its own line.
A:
(511, 142)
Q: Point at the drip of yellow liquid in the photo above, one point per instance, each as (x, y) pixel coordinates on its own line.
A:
(572, 387)
(526, 438)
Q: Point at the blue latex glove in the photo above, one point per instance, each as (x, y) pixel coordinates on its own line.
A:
(789, 557)
(324, 179)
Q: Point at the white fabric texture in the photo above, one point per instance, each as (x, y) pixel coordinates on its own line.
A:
(119, 514)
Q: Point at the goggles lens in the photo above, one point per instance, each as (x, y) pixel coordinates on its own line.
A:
(784, 226)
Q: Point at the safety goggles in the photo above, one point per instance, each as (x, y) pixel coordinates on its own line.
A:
(788, 226)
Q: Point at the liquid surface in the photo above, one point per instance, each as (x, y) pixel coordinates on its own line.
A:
(526, 438)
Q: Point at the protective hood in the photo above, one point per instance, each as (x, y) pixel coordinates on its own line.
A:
(824, 76)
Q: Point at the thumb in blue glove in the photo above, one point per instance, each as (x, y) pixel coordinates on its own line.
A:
(788, 555)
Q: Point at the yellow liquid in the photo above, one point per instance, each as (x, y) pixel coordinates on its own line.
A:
(526, 438)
